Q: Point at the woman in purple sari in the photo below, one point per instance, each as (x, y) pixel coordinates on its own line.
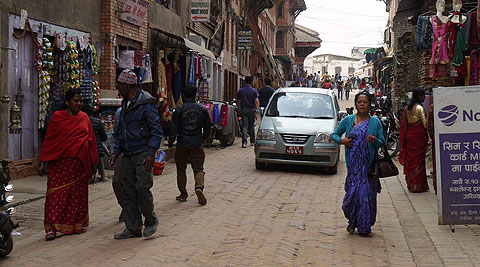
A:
(364, 136)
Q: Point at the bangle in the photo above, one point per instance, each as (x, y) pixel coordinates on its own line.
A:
(341, 141)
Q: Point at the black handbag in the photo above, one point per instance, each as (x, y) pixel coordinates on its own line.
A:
(382, 167)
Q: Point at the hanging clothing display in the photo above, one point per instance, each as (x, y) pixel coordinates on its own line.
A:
(457, 42)
(163, 100)
(439, 59)
(126, 59)
(177, 86)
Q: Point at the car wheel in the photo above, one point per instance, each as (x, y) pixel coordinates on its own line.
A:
(333, 169)
(259, 165)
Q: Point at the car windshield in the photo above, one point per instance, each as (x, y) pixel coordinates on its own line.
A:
(301, 105)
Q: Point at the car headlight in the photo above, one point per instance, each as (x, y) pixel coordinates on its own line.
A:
(323, 138)
(266, 135)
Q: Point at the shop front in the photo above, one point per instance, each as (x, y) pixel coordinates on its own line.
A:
(47, 61)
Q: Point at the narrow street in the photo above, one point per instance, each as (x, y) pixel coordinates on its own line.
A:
(282, 216)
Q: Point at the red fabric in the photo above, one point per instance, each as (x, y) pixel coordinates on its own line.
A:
(327, 85)
(169, 74)
(223, 116)
(431, 132)
(362, 85)
(66, 205)
(413, 149)
(138, 58)
(70, 137)
(199, 68)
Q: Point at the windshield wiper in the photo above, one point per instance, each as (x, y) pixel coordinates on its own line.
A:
(323, 117)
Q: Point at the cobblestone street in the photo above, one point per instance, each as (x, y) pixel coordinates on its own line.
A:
(282, 216)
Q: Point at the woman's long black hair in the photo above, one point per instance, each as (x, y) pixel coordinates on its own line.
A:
(417, 93)
(69, 95)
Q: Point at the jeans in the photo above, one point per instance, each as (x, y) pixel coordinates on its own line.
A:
(138, 199)
(340, 93)
(197, 158)
(101, 167)
(347, 94)
(248, 125)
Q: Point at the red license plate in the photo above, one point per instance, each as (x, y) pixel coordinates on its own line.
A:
(294, 150)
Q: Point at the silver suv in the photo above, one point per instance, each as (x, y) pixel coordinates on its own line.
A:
(296, 128)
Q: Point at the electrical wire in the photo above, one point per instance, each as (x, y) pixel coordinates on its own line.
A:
(342, 12)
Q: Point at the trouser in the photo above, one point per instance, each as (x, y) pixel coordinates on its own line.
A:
(197, 158)
(117, 182)
(138, 199)
(248, 125)
(347, 94)
(340, 93)
(101, 166)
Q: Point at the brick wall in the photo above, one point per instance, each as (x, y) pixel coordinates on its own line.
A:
(111, 28)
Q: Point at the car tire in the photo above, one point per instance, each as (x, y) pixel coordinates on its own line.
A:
(333, 169)
(259, 165)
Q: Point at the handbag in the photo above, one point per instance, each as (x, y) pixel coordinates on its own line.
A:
(384, 167)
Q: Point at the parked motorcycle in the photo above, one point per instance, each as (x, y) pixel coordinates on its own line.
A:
(383, 112)
(6, 223)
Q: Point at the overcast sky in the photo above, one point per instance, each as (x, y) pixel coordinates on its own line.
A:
(343, 24)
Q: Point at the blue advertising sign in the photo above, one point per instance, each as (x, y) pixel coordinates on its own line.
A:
(457, 135)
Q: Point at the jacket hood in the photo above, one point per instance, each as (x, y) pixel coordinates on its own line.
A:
(142, 98)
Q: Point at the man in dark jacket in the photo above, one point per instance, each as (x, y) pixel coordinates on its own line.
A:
(265, 93)
(140, 134)
(188, 121)
(100, 136)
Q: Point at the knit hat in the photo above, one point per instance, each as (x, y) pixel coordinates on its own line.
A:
(128, 77)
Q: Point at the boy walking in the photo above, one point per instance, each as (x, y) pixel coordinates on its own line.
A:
(188, 121)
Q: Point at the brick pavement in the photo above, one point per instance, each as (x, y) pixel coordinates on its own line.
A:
(282, 216)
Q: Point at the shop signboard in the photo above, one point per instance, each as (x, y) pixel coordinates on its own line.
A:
(200, 10)
(134, 11)
(457, 143)
(244, 40)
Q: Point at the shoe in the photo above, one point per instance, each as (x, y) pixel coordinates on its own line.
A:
(252, 144)
(127, 234)
(201, 197)
(151, 229)
(104, 179)
(244, 145)
(50, 235)
(181, 198)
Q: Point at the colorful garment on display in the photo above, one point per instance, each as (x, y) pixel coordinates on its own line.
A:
(474, 32)
(163, 100)
(177, 86)
(424, 33)
(223, 120)
(191, 72)
(138, 58)
(145, 73)
(474, 59)
(439, 48)
(126, 59)
(457, 42)
(216, 114)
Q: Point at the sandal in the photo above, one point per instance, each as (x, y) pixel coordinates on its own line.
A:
(350, 229)
(50, 235)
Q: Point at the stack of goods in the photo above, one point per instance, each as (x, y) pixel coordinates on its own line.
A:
(47, 56)
(73, 65)
(43, 95)
(96, 95)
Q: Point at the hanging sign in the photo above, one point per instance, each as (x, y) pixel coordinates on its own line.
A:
(134, 11)
(200, 10)
(244, 40)
(457, 143)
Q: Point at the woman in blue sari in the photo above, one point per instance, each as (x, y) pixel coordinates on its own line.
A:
(363, 137)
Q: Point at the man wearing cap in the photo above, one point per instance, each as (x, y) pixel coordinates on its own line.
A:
(139, 137)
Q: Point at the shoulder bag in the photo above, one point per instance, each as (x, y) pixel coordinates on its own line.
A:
(384, 167)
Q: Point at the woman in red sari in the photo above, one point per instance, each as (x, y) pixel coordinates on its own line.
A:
(70, 150)
(413, 143)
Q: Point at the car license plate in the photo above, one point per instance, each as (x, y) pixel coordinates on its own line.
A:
(294, 150)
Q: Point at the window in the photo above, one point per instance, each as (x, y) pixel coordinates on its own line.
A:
(280, 40)
(280, 10)
(301, 105)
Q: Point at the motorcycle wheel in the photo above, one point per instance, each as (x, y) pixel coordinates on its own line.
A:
(7, 248)
(393, 146)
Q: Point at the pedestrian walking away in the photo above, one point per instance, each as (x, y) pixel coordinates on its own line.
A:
(100, 136)
(117, 180)
(265, 93)
(363, 138)
(348, 88)
(70, 150)
(140, 134)
(191, 128)
(340, 87)
(249, 102)
(414, 142)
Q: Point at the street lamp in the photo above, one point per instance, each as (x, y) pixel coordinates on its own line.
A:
(15, 120)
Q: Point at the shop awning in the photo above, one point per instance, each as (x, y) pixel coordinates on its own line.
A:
(193, 46)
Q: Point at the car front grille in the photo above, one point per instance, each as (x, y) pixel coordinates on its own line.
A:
(295, 157)
(295, 139)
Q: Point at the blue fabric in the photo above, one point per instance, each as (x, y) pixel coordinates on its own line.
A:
(191, 72)
(374, 128)
(360, 201)
(216, 114)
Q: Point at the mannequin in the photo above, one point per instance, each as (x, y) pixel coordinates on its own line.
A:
(440, 9)
(440, 59)
(457, 17)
